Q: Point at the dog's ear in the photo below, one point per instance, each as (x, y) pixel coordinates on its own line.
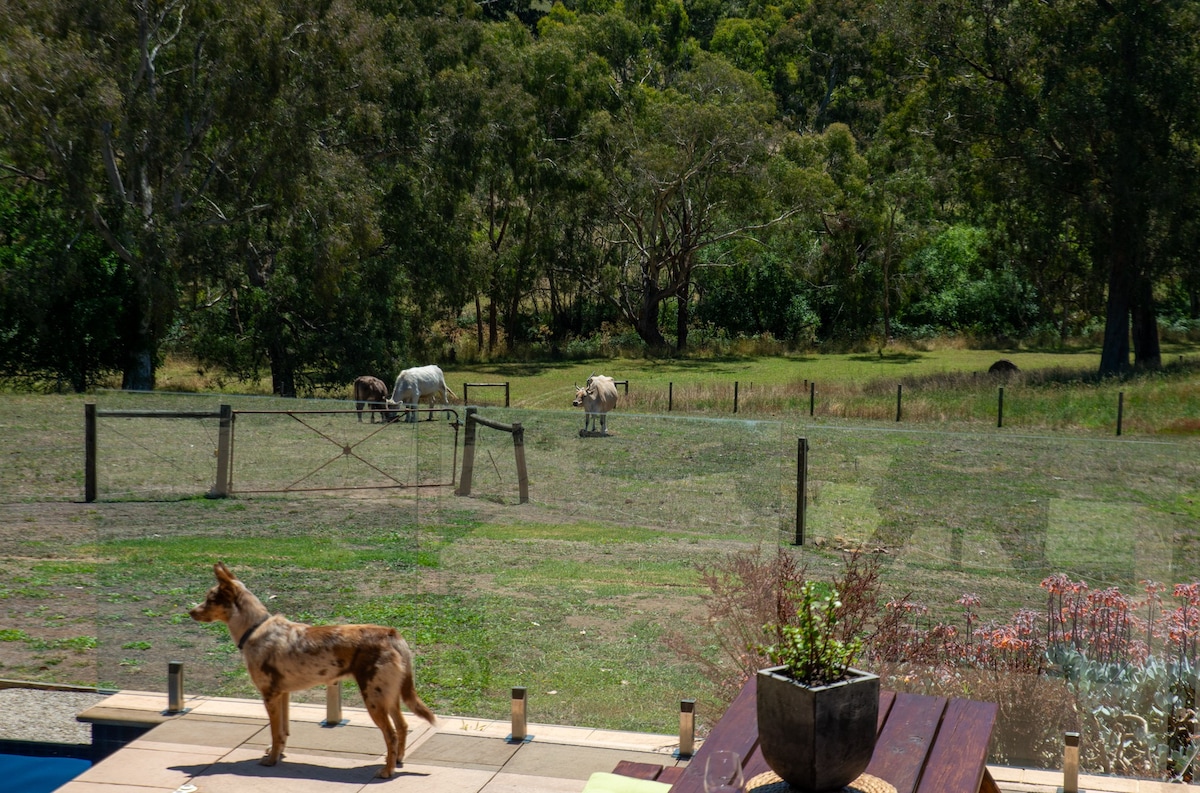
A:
(224, 574)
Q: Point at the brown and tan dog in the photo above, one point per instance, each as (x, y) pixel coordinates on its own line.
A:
(284, 656)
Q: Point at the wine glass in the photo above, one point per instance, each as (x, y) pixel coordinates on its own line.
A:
(723, 772)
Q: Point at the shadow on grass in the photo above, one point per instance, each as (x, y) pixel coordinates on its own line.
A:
(709, 363)
(889, 357)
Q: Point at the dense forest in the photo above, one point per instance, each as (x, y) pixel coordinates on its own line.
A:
(324, 188)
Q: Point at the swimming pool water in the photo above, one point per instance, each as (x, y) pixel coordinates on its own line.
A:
(23, 774)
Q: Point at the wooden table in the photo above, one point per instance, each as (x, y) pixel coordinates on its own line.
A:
(925, 745)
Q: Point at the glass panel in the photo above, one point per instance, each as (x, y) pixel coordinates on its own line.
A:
(1035, 554)
(707, 476)
(1000, 547)
(298, 543)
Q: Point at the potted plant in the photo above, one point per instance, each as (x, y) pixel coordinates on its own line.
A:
(817, 714)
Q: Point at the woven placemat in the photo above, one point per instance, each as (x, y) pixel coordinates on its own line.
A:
(769, 782)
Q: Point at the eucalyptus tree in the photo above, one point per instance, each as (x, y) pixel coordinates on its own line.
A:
(901, 196)
(174, 128)
(293, 274)
(433, 120)
(60, 294)
(542, 183)
(1093, 105)
(836, 61)
(863, 221)
(519, 154)
(689, 167)
(494, 205)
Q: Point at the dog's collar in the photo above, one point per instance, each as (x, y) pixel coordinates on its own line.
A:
(246, 636)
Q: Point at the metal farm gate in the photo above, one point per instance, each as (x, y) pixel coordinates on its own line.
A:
(283, 451)
(312, 446)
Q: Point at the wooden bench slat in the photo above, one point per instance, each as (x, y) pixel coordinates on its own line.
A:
(638, 770)
(956, 761)
(671, 774)
(886, 699)
(910, 729)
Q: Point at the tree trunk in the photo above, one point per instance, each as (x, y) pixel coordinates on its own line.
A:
(683, 315)
(139, 369)
(511, 318)
(646, 323)
(283, 374)
(887, 266)
(1147, 354)
(138, 373)
(493, 323)
(512, 314)
(647, 329)
(1114, 355)
(478, 324)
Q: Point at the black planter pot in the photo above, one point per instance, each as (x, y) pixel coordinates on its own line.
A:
(817, 738)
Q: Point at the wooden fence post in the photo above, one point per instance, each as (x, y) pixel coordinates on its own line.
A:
(89, 452)
(464, 482)
(224, 454)
(518, 433)
(801, 489)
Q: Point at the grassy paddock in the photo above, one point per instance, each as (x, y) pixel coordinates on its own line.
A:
(576, 594)
(1055, 390)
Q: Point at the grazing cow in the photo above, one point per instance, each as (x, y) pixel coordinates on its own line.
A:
(372, 392)
(420, 381)
(597, 397)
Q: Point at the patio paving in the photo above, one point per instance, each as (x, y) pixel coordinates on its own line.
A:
(215, 745)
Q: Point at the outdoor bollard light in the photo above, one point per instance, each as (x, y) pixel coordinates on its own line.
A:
(175, 687)
(333, 704)
(1071, 763)
(518, 716)
(687, 727)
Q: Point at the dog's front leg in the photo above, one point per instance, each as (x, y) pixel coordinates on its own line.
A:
(277, 712)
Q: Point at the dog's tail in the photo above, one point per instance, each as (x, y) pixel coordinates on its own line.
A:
(408, 693)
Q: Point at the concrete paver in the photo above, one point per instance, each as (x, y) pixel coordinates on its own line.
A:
(82, 786)
(467, 751)
(164, 765)
(521, 783)
(575, 762)
(444, 779)
(303, 773)
(208, 731)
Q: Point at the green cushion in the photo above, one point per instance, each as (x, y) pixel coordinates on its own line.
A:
(601, 782)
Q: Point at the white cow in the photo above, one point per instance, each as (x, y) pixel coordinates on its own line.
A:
(597, 397)
(420, 381)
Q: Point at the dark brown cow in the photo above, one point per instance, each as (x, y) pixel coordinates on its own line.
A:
(373, 392)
